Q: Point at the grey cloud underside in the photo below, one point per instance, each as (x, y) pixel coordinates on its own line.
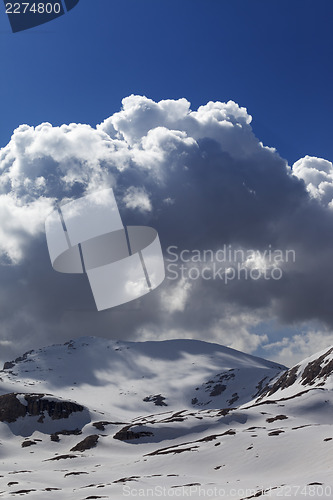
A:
(202, 180)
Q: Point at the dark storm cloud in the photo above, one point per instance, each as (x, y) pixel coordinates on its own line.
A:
(203, 180)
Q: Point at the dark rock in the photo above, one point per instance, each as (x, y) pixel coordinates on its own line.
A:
(218, 389)
(314, 370)
(75, 473)
(126, 435)
(312, 373)
(55, 435)
(101, 425)
(275, 433)
(20, 472)
(60, 457)
(74, 432)
(225, 411)
(260, 387)
(172, 449)
(125, 479)
(11, 408)
(87, 443)
(230, 432)
(187, 485)
(233, 400)
(287, 379)
(55, 409)
(27, 443)
(158, 400)
(278, 417)
(21, 492)
(93, 497)
(10, 364)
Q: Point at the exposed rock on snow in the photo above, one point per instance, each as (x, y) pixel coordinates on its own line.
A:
(11, 408)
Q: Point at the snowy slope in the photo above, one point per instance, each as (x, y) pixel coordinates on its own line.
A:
(84, 430)
(127, 376)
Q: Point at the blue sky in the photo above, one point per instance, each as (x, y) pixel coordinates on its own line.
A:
(273, 57)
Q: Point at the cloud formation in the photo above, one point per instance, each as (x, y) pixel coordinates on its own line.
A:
(203, 180)
(317, 174)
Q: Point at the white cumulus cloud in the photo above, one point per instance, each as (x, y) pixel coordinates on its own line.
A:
(317, 174)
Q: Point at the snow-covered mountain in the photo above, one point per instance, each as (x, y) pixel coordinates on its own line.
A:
(103, 419)
(133, 378)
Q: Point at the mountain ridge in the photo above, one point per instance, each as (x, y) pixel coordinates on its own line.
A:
(199, 373)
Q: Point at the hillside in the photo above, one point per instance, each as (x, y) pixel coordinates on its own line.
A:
(103, 419)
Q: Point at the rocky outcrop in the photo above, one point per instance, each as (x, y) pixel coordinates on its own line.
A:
(315, 373)
(218, 389)
(318, 370)
(125, 434)
(11, 407)
(10, 364)
(87, 443)
(158, 400)
(27, 443)
(287, 379)
(55, 436)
